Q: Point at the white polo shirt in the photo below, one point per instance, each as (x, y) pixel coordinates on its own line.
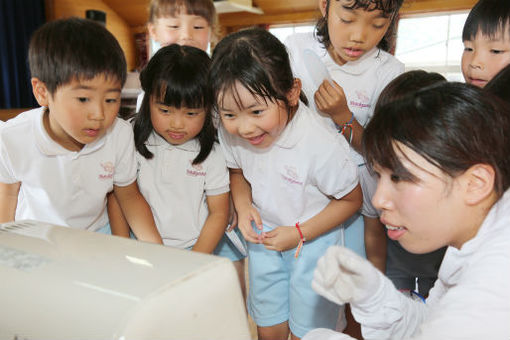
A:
(362, 80)
(58, 185)
(177, 190)
(292, 179)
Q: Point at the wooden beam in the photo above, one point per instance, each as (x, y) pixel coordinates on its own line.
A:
(248, 19)
(414, 7)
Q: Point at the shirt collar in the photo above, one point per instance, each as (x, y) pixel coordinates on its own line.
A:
(156, 140)
(293, 131)
(358, 66)
(49, 147)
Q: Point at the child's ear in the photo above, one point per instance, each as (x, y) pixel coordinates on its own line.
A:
(323, 4)
(151, 28)
(479, 182)
(294, 93)
(40, 91)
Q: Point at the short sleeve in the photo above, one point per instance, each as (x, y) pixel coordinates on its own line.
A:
(390, 71)
(227, 149)
(217, 180)
(6, 171)
(335, 174)
(125, 156)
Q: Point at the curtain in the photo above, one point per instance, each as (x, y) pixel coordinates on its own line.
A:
(18, 20)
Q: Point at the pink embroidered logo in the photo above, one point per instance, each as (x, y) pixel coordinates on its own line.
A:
(196, 169)
(363, 100)
(291, 175)
(109, 169)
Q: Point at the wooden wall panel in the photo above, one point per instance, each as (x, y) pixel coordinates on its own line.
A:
(413, 7)
(114, 23)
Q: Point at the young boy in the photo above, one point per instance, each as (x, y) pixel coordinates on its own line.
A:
(486, 38)
(59, 161)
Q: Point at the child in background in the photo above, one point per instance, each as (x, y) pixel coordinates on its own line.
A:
(486, 38)
(414, 273)
(441, 155)
(183, 22)
(351, 39)
(62, 159)
(181, 171)
(290, 200)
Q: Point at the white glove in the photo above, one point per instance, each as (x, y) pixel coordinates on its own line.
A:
(342, 276)
(325, 334)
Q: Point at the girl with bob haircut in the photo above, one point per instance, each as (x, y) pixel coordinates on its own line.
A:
(441, 156)
(181, 170)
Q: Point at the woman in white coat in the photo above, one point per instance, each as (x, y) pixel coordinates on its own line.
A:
(442, 156)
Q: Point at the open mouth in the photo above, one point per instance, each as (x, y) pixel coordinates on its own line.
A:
(395, 233)
(256, 140)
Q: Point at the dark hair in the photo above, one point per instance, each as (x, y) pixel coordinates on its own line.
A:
(452, 125)
(258, 61)
(389, 8)
(176, 76)
(203, 8)
(488, 17)
(500, 84)
(71, 49)
(405, 84)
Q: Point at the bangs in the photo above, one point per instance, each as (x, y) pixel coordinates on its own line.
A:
(191, 96)
(401, 121)
(380, 148)
(491, 29)
(490, 18)
(204, 9)
(247, 69)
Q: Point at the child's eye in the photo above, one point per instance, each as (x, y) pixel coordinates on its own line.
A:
(345, 21)
(111, 100)
(198, 27)
(83, 99)
(173, 26)
(163, 110)
(227, 115)
(395, 178)
(192, 114)
(496, 51)
(468, 49)
(257, 112)
(378, 26)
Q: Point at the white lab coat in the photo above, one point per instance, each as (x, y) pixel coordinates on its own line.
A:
(470, 299)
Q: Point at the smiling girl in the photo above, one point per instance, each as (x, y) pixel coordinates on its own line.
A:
(290, 199)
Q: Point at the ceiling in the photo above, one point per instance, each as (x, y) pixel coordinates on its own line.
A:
(134, 12)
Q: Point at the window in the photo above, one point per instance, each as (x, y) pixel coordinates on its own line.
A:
(282, 32)
(433, 43)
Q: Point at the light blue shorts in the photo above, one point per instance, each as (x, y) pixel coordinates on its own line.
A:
(226, 248)
(280, 287)
(354, 232)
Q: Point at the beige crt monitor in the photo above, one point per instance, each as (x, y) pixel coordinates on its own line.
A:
(64, 283)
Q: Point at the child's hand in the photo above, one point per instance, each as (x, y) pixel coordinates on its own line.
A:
(330, 99)
(244, 219)
(232, 220)
(281, 238)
